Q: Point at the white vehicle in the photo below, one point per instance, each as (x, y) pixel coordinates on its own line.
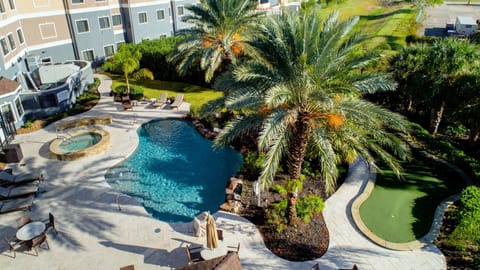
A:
(465, 26)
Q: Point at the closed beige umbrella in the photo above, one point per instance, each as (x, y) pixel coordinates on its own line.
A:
(212, 238)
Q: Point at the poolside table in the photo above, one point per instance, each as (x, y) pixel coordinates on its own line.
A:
(210, 253)
(30, 230)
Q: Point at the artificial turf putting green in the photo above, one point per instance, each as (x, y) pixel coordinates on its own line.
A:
(402, 211)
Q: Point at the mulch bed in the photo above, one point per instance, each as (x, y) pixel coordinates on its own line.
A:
(303, 242)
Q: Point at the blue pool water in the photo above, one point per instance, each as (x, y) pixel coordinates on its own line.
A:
(79, 142)
(175, 172)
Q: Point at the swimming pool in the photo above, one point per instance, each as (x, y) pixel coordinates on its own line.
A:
(175, 172)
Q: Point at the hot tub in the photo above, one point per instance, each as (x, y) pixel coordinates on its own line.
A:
(80, 143)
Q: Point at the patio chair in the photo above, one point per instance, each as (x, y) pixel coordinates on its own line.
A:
(7, 178)
(127, 103)
(178, 101)
(220, 234)
(17, 191)
(16, 204)
(13, 245)
(37, 242)
(50, 223)
(161, 101)
(234, 249)
(23, 220)
(193, 254)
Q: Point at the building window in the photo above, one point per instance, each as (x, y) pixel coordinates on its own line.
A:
(7, 113)
(20, 36)
(2, 7)
(3, 42)
(19, 106)
(109, 50)
(82, 26)
(12, 4)
(47, 60)
(88, 55)
(161, 15)
(142, 17)
(104, 22)
(180, 11)
(120, 44)
(77, 1)
(11, 41)
(116, 19)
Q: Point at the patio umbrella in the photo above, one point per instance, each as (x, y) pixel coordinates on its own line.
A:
(212, 238)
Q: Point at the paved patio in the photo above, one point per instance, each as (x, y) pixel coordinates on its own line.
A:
(95, 234)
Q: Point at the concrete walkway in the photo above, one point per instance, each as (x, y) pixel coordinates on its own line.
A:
(94, 234)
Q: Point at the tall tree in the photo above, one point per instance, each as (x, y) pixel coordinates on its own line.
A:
(305, 95)
(428, 73)
(219, 36)
(127, 61)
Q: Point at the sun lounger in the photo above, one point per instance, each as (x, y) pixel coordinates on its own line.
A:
(16, 204)
(16, 191)
(10, 179)
(160, 102)
(178, 101)
(127, 103)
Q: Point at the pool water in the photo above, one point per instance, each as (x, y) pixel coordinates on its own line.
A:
(79, 142)
(175, 172)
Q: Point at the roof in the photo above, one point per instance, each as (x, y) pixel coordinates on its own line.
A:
(7, 86)
(466, 20)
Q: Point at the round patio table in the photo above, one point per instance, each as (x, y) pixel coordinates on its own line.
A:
(210, 253)
(30, 230)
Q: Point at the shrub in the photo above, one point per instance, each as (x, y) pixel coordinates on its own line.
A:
(278, 189)
(252, 164)
(308, 206)
(466, 232)
(120, 90)
(28, 124)
(276, 215)
(136, 92)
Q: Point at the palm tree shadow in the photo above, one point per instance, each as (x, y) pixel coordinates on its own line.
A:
(154, 256)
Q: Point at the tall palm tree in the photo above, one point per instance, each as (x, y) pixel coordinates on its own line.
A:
(304, 97)
(219, 37)
(127, 61)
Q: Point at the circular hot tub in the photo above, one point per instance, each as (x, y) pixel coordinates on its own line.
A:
(80, 143)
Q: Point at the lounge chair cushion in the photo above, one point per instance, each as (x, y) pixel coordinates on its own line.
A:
(16, 204)
(18, 190)
(15, 179)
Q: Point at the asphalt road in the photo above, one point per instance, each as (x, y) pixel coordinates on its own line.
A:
(436, 17)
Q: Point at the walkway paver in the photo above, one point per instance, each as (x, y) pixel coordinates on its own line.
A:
(100, 228)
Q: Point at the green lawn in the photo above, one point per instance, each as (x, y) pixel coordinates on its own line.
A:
(402, 211)
(195, 95)
(386, 27)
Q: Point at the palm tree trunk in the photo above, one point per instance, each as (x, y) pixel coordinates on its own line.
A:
(473, 135)
(128, 85)
(298, 148)
(292, 209)
(436, 118)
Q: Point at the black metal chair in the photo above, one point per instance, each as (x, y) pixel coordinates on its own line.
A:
(37, 242)
(193, 254)
(23, 221)
(50, 224)
(13, 245)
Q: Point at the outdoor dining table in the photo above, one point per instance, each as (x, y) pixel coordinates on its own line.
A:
(30, 230)
(210, 253)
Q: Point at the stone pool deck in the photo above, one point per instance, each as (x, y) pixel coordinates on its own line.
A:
(100, 228)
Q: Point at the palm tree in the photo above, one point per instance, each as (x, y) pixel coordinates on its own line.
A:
(222, 29)
(127, 61)
(305, 95)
